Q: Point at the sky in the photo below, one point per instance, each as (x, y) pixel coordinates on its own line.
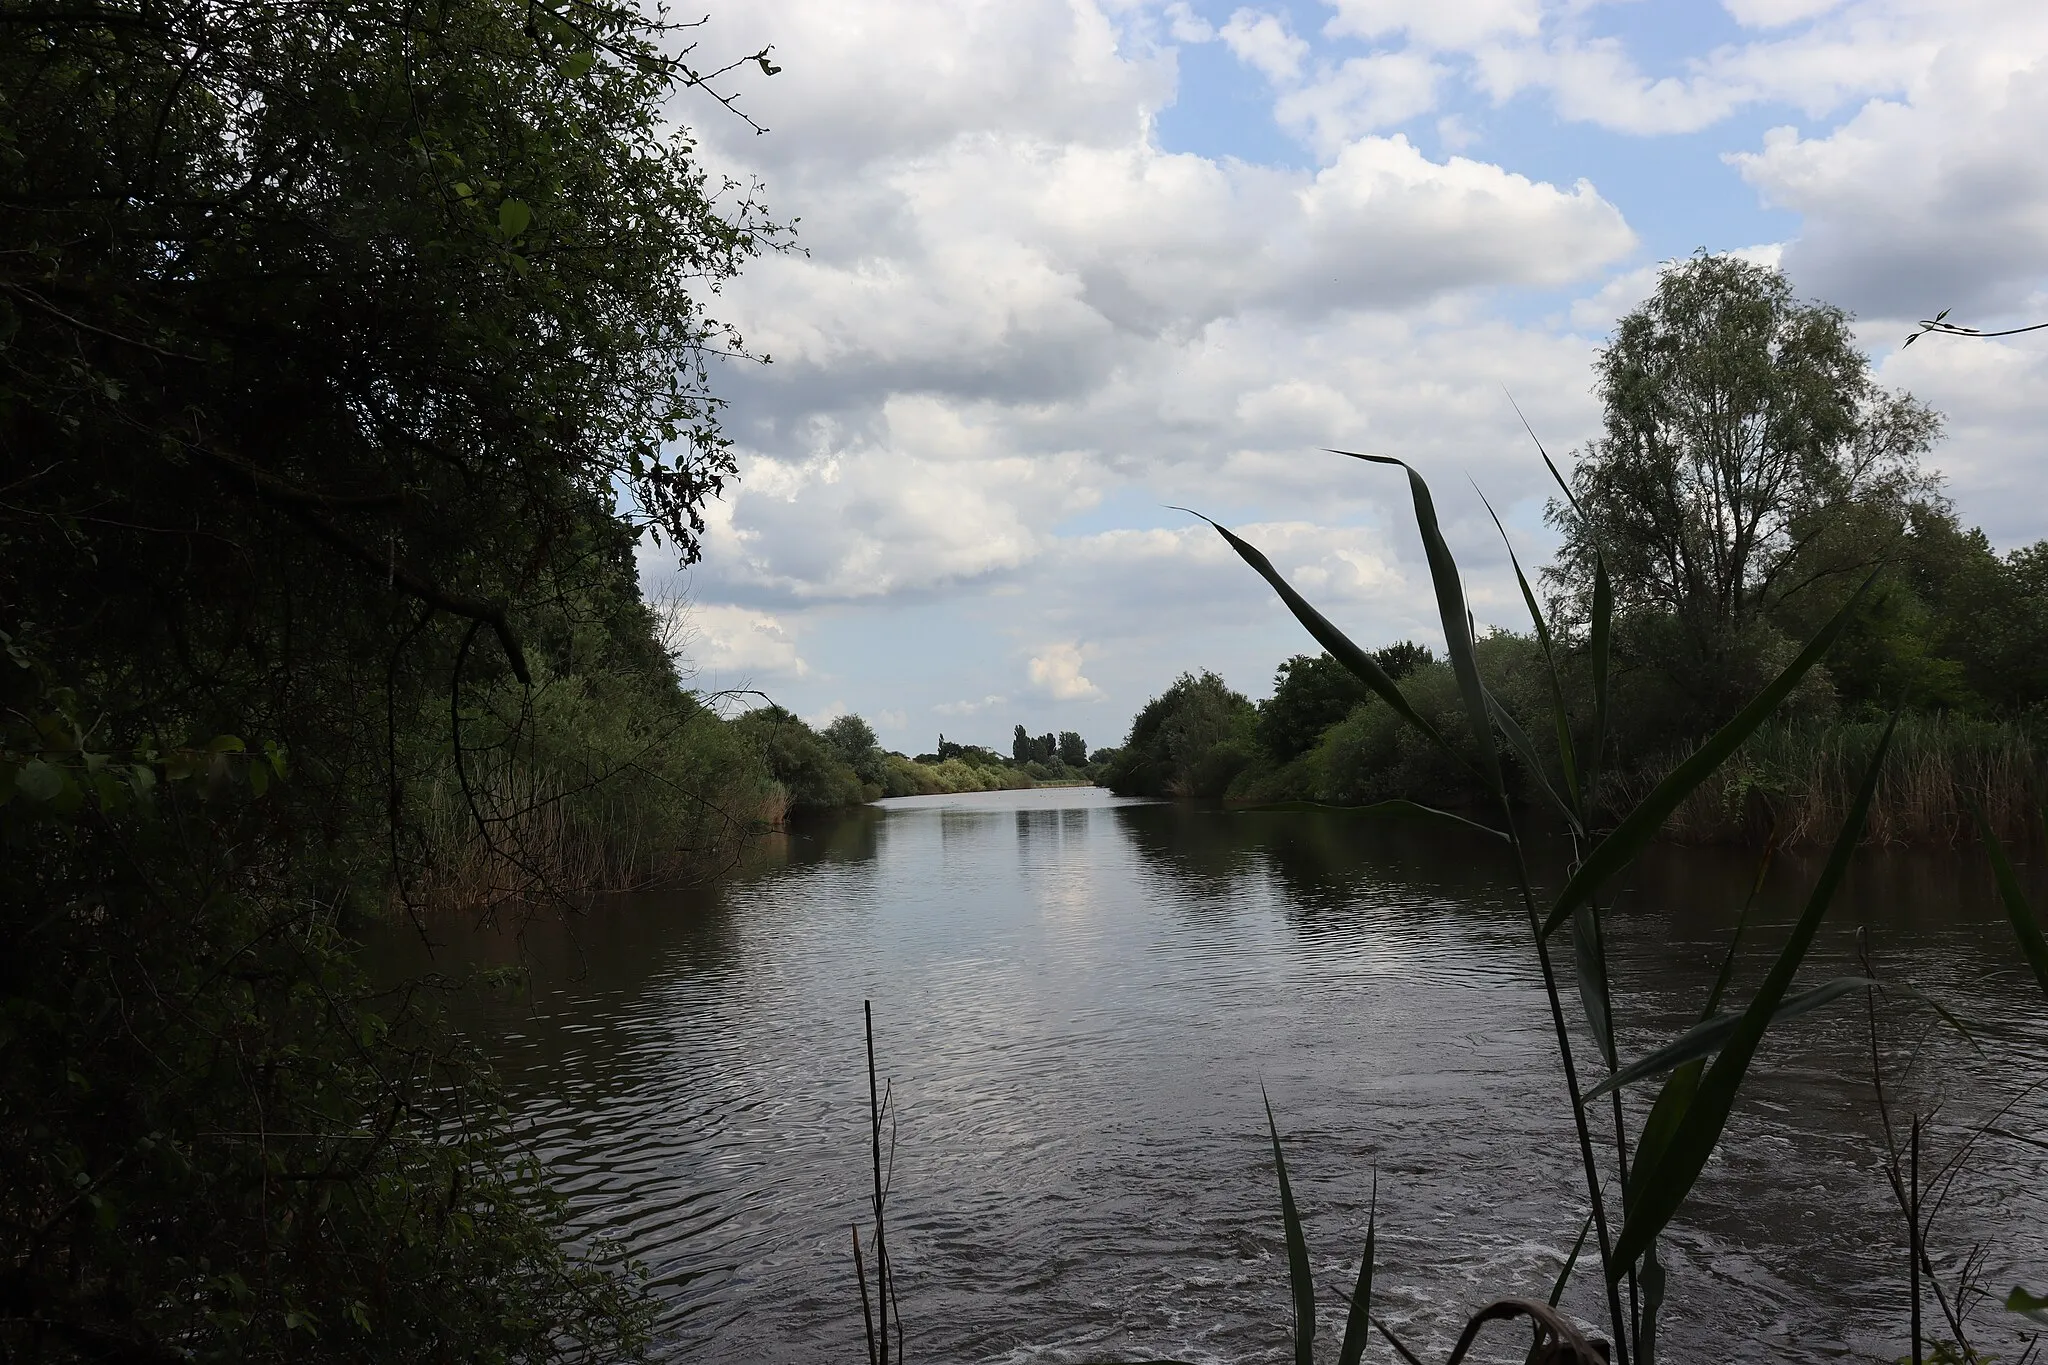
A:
(1063, 266)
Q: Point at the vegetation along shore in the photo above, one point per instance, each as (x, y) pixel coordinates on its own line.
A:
(1750, 477)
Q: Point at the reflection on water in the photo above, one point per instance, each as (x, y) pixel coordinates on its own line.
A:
(1078, 999)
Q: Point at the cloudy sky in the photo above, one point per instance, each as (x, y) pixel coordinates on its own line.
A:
(1066, 262)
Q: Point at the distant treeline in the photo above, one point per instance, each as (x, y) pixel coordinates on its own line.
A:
(1750, 478)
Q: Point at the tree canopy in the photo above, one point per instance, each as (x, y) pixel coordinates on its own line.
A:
(1748, 464)
(333, 337)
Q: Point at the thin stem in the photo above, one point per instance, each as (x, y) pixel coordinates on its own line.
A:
(867, 1314)
(1635, 1310)
(1571, 1081)
(883, 1296)
(1913, 1233)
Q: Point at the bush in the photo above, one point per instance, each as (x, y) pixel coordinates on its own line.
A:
(812, 775)
(1170, 748)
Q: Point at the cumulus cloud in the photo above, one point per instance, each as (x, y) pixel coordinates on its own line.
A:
(1263, 42)
(1056, 671)
(1360, 96)
(1020, 324)
(735, 645)
(1940, 199)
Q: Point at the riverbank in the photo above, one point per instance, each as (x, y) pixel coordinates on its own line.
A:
(1792, 780)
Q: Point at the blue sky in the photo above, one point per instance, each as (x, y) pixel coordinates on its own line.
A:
(1066, 262)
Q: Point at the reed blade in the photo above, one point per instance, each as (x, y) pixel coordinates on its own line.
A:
(1564, 1276)
(1665, 1184)
(1360, 664)
(1640, 826)
(1653, 1300)
(2025, 926)
(1456, 617)
(1532, 762)
(1601, 632)
(1358, 1322)
(1400, 808)
(2028, 1305)
(1706, 1038)
(1591, 974)
(1299, 1274)
(1567, 760)
(1599, 644)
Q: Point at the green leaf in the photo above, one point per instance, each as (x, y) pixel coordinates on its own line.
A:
(2025, 926)
(1564, 1274)
(1640, 826)
(1652, 1280)
(1705, 1038)
(1560, 717)
(1361, 664)
(224, 744)
(1666, 1181)
(1298, 1271)
(1600, 634)
(1532, 763)
(39, 780)
(1400, 808)
(1358, 1321)
(513, 217)
(1456, 617)
(1661, 1124)
(2030, 1305)
(259, 779)
(1591, 973)
(578, 64)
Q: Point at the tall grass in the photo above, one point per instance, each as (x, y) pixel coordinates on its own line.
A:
(541, 837)
(1796, 781)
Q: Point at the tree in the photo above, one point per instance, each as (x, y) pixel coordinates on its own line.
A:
(1188, 741)
(1021, 746)
(852, 740)
(1313, 692)
(1073, 749)
(331, 336)
(1748, 461)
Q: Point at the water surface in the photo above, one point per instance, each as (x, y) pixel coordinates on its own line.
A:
(1077, 1000)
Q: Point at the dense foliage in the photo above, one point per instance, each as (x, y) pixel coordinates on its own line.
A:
(1749, 477)
(331, 336)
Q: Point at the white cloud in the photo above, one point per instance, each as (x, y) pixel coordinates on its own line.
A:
(1056, 672)
(1021, 324)
(735, 645)
(1262, 42)
(832, 711)
(1937, 200)
(1443, 24)
(1360, 96)
(1776, 13)
(970, 708)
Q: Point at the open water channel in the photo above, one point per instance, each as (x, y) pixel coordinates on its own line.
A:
(1077, 1000)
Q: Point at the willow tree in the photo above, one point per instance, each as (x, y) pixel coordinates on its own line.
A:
(333, 335)
(1748, 464)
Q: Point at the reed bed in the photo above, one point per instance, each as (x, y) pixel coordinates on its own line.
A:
(1798, 781)
(534, 836)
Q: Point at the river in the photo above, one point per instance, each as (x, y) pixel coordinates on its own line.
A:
(1077, 1000)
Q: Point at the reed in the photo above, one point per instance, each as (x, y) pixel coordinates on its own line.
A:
(1796, 780)
(507, 833)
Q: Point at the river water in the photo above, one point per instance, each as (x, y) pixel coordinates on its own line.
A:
(1077, 1000)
